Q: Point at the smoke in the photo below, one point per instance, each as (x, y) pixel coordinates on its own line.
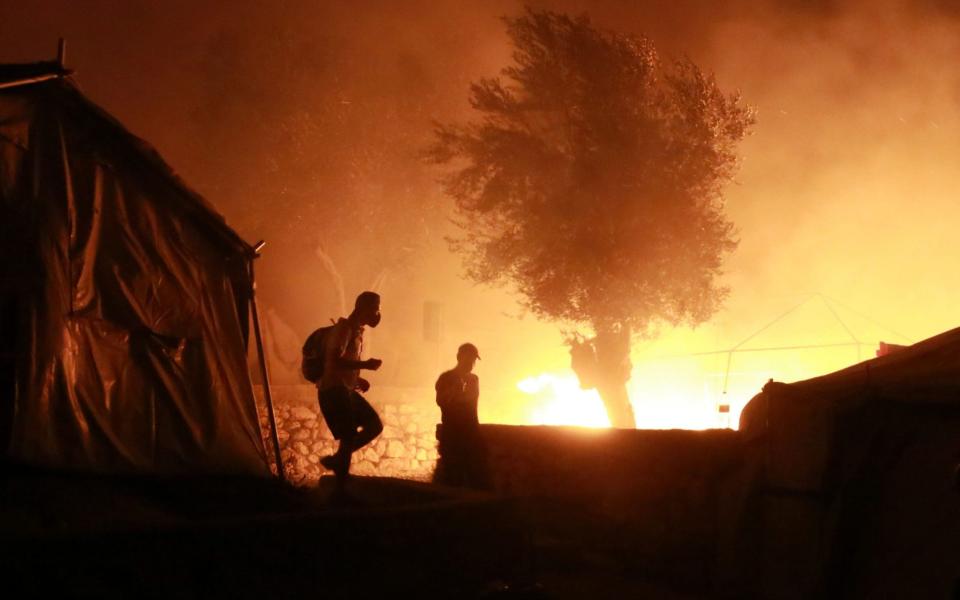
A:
(848, 184)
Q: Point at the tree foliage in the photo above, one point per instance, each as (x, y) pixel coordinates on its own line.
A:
(592, 179)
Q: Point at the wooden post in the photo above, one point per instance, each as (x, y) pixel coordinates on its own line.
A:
(61, 53)
(264, 375)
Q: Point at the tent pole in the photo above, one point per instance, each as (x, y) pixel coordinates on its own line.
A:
(61, 52)
(726, 374)
(60, 72)
(264, 376)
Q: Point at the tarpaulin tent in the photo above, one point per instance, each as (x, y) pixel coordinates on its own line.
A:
(124, 297)
(853, 479)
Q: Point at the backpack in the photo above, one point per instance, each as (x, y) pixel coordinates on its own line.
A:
(314, 354)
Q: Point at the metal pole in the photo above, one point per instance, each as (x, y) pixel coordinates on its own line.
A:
(264, 376)
(726, 374)
(61, 52)
(28, 80)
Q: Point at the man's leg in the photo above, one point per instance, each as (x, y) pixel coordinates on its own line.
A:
(364, 426)
(335, 404)
(459, 463)
(366, 419)
(476, 465)
(450, 465)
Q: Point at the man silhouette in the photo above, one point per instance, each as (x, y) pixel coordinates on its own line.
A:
(348, 414)
(462, 452)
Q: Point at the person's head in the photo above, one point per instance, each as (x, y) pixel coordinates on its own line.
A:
(366, 310)
(467, 356)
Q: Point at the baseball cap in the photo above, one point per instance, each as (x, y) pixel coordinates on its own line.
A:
(470, 349)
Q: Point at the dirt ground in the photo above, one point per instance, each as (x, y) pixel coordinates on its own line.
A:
(80, 536)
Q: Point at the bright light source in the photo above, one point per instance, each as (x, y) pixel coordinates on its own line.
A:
(558, 400)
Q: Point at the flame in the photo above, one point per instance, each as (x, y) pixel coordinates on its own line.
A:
(694, 393)
(681, 380)
(558, 400)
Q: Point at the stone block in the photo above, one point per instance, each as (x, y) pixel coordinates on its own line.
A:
(395, 449)
(302, 413)
(301, 434)
(364, 467)
(421, 454)
(392, 466)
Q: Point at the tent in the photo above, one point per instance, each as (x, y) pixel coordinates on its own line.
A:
(123, 298)
(853, 490)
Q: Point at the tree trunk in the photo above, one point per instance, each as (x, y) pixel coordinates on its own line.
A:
(617, 402)
(604, 363)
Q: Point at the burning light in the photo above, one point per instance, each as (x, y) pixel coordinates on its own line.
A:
(660, 403)
(665, 402)
(681, 381)
(558, 400)
(679, 394)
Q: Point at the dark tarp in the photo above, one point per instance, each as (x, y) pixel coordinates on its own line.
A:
(124, 301)
(853, 478)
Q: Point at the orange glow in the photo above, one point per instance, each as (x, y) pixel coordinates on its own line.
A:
(558, 400)
(682, 391)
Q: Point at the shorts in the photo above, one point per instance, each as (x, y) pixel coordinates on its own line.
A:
(345, 410)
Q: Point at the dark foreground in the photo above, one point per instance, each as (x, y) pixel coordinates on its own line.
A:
(79, 536)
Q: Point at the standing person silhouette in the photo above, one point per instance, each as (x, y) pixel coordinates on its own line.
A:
(348, 414)
(462, 451)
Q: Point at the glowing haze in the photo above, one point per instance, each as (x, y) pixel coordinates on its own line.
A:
(847, 188)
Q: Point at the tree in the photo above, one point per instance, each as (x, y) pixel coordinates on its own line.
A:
(592, 182)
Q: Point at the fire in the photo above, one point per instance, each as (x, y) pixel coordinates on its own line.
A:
(702, 379)
(692, 393)
(558, 400)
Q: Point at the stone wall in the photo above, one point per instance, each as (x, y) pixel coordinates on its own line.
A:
(609, 467)
(407, 448)
(668, 499)
(673, 501)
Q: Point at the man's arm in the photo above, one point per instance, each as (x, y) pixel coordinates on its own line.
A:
(342, 341)
(443, 391)
(371, 364)
(471, 390)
